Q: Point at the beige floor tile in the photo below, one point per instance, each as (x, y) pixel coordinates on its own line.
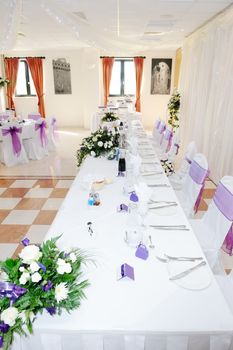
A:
(2, 189)
(45, 183)
(3, 214)
(199, 214)
(30, 203)
(59, 193)
(9, 203)
(4, 182)
(64, 183)
(37, 233)
(21, 217)
(210, 184)
(52, 204)
(14, 192)
(23, 183)
(7, 250)
(39, 193)
(12, 233)
(208, 193)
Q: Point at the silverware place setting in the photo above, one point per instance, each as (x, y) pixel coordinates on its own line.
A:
(188, 271)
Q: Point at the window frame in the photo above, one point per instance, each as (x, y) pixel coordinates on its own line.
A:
(27, 81)
(122, 77)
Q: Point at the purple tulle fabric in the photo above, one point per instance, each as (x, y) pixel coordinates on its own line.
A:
(43, 136)
(168, 136)
(14, 131)
(199, 175)
(223, 199)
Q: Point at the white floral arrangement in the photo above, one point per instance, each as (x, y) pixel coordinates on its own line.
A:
(41, 278)
(98, 143)
(173, 110)
(4, 82)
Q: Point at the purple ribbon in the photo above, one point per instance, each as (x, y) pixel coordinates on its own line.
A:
(43, 136)
(168, 136)
(13, 131)
(199, 175)
(177, 147)
(223, 200)
(157, 124)
(11, 291)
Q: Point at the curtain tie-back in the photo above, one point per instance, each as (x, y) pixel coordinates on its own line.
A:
(14, 131)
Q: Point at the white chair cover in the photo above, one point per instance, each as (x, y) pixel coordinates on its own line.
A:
(33, 146)
(212, 229)
(7, 155)
(34, 116)
(178, 178)
(190, 190)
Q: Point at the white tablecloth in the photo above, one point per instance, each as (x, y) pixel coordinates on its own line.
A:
(150, 313)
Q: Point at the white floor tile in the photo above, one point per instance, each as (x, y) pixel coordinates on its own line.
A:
(7, 250)
(38, 193)
(36, 233)
(21, 217)
(52, 204)
(23, 183)
(64, 183)
(199, 214)
(9, 203)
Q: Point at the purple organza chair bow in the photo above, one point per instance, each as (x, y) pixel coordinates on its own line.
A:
(161, 131)
(54, 125)
(223, 200)
(157, 124)
(198, 175)
(16, 143)
(34, 116)
(43, 137)
(168, 137)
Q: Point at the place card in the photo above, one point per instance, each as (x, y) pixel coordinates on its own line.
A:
(125, 272)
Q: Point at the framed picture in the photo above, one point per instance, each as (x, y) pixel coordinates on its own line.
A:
(62, 77)
(161, 72)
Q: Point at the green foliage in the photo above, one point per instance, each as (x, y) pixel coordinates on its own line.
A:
(4, 82)
(37, 298)
(98, 143)
(173, 109)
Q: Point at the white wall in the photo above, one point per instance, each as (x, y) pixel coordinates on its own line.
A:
(86, 80)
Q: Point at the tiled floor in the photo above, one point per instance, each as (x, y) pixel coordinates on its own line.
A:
(27, 209)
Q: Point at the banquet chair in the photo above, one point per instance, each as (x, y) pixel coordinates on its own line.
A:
(166, 141)
(12, 151)
(190, 194)
(34, 116)
(216, 224)
(52, 134)
(4, 116)
(37, 146)
(178, 178)
(159, 135)
(155, 129)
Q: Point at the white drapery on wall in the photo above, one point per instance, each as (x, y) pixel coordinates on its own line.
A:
(206, 86)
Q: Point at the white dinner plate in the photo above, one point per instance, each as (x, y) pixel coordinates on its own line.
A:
(196, 280)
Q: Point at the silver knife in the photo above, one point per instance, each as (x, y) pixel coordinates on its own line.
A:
(183, 258)
(187, 272)
(158, 185)
(164, 206)
(152, 173)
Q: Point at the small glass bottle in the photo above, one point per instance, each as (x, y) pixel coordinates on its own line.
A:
(122, 163)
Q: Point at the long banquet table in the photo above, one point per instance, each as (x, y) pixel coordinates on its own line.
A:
(151, 312)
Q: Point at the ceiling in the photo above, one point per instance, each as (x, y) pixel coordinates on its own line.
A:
(111, 25)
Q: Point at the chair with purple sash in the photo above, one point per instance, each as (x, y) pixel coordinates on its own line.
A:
(37, 146)
(52, 134)
(178, 178)
(190, 194)
(215, 229)
(12, 150)
(34, 116)
(166, 140)
(155, 129)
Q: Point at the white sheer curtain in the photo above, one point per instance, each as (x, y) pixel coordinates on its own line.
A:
(207, 93)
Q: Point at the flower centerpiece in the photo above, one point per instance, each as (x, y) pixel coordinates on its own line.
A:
(173, 110)
(98, 143)
(4, 82)
(109, 117)
(41, 278)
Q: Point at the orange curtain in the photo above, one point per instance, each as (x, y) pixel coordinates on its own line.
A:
(11, 66)
(107, 73)
(138, 62)
(36, 67)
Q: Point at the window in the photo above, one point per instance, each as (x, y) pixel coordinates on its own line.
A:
(123, 81)
(24, 84)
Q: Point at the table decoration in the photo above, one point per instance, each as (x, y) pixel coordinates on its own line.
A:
(40, 278)
(99, 143)
(142, 252)
(125, 271)
(109, 117)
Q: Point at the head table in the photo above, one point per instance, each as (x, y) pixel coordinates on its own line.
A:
(151, 312)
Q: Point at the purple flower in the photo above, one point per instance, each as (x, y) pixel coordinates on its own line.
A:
(4, 327)
(51, 310)
(42, 267)
(47, 286)
(25, 242)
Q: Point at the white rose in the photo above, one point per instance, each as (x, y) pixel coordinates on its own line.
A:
(94, 138)
(61, 292)
(100, 143)
(22, 268)
(3, 276)
(30, 253)
(105, 145)
(89, 147)
(24, 278)
(34, 267)
(73, 257)
(9, 316)
(36, 277)
(110, 143)
(92, 153)
(63, 267)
